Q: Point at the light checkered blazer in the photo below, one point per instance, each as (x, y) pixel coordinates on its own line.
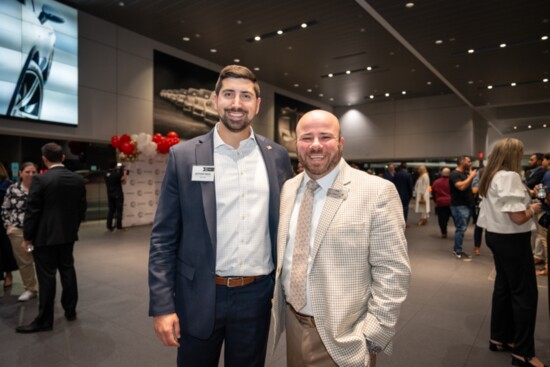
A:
(360, 270)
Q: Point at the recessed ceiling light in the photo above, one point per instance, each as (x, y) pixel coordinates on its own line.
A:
(409, 5)
(304, 25)
(528, 126)
(545, 80)
(290, 48)
(186, 39)
(213, 50)
(404, 92)
(362, 30)
(256, 69)
(257, 38)
(429, 83)
(369, 68)
(239, 22)
(387, 94)
(371, 96)
(348, 72)
(330, 75)
(515, 127)
(438, 42)
(331, 99)
(279, 32)
(470, 82)
(513, 84)
(285, 74)
(321, 95)
(236, 60)
(197, 35)
(296, 85)
(309, 90)
(502, 45)
(543, 125)
(489, 87)
(471, 51)
(544, 38)
(121, 3)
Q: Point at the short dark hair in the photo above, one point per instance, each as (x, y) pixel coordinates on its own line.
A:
(239, 72)
(53, 152)
(539, 156)
(462, 158)
(547, 156)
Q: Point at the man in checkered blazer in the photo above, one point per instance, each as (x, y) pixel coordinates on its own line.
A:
(358, 268)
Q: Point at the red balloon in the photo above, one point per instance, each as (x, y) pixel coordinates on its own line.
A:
(163, 146)
(125, 139)
(172, 134)
(157, 137)
(127, 147)
(115, 141)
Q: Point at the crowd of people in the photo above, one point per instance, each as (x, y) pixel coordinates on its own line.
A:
(238, 239)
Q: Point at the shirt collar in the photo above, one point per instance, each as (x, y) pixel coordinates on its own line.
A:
(218, 141)
(326, 181)
(56, 165)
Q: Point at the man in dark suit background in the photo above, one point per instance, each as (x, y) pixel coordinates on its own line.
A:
(56, 205)
(213, 239)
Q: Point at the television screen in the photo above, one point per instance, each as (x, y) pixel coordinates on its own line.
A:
(39, 61)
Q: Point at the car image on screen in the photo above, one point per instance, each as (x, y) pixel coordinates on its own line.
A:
(39, 38)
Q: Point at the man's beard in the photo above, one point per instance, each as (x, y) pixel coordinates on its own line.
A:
(235, 126)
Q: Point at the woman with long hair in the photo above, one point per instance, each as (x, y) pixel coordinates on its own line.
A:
(422, 189)
(506, 214)
(13, 212)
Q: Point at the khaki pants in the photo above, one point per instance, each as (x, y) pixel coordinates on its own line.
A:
(542, 234)
(24, 259)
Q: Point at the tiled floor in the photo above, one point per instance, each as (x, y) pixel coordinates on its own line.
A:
(444, 322)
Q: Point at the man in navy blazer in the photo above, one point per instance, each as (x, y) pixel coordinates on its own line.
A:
(213, 241)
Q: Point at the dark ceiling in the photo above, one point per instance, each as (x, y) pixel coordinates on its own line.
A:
(413, 51)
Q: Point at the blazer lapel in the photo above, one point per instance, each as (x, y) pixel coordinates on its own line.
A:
(335, 197)
(287, 204)
(204, 156)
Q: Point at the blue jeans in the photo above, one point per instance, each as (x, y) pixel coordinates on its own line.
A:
(461, 214)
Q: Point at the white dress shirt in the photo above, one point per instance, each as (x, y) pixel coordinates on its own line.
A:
(506, 194)
(242, 209)
(319, 198)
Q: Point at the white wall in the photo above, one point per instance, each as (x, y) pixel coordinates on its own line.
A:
(416, 128)
(534, 141)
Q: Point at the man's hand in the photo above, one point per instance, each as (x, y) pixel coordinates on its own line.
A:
(473, 172)
(167, 328)
(26, 244)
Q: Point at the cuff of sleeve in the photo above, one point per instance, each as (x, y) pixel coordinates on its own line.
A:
(376, 334)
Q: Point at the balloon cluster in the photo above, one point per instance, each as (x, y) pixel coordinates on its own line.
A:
(131, 146)
(165, 142)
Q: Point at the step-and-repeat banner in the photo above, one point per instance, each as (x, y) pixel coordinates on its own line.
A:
(142, 189)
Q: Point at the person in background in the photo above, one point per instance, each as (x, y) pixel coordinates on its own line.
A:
(462, 202)
(541, 230)
(114, 179)
(342, 269)
(403, 183)
(213, 240)
(55, 207)
(534, 177)
(441, 193)
(422, 190)
(13, 213)
(507, 214)
(8, 263)
(478, 231)
(390, 172)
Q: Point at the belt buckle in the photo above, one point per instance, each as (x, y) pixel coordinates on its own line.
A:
(229, 279)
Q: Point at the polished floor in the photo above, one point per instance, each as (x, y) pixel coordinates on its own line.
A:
(444, 321)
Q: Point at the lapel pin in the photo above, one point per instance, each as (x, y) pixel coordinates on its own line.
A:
(269, 147)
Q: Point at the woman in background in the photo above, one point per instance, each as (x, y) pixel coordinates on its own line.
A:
(13, 212)
(506, 214)
(422, 189)
(7, 261)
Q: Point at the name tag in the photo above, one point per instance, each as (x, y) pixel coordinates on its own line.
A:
(203, 173)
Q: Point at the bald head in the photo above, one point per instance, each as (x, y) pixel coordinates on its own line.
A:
(318, 143)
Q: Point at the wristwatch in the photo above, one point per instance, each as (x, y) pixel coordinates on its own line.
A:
(373, 348)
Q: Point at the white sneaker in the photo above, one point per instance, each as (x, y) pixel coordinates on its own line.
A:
(27, 295)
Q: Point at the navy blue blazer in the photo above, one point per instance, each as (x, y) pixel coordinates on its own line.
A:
(182, 257)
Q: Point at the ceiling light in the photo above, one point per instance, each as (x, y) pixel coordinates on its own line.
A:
(369, 68)
(470, 82)
(330, 75)
(331, 99)
(543, 125)
(528, 126)
(545, 80)
(213, 50)
(404, 92)
(438, 42)
(236, 60)
(121, 3)
(471, 51)
(513, 84)
(515, 127)
(489, 87)
(309, 90)
(409, 5)
(296, 85)
(257, 38)
(256, 69)
(186, 39)
(371, 96)
(197, 35)
(429, 83)
(387, 94)
(239, 22)
(544, 38)
(502, 45)
(321, 95)
(348, 72)
(279, 32)
(304, 25)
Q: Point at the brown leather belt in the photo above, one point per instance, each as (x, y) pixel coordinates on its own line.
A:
(237, 281)
(302, 319)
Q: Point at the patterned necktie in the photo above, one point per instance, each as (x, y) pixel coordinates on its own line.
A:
(300, 254)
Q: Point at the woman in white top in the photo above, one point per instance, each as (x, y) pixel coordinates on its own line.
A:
(422, 189)
(506, 214)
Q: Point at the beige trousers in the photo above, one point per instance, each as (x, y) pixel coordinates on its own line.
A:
(542, 234)
(24, 259)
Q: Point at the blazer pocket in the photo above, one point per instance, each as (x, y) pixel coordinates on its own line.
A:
(185, 270)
